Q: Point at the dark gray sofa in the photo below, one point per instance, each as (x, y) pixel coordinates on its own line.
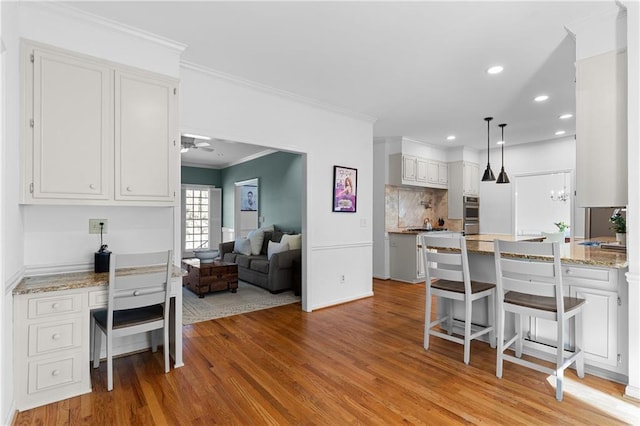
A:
(276, 275)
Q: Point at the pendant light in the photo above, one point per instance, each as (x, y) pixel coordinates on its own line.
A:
(502, 177)
(488, 173)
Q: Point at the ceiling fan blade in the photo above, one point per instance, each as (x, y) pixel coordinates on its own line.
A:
(206, 149)
(201, 144)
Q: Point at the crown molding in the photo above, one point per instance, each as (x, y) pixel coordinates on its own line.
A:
(252, 157)
(277, 92)
(110, 24)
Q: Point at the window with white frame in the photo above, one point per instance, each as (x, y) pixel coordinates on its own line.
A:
(200, 218)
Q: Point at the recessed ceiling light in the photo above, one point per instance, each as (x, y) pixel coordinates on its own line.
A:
(496, 69)
(560, 132)
(500, 143)
(565, 116)
(191, 135)
(451, 137)
(541, 98)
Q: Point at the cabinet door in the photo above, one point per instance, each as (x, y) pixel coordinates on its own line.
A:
(409, 168)
(72, 128)
(146, 153)
(421, 170)
(433, 172)
(600, 324)
(471, 178)
(443, 173)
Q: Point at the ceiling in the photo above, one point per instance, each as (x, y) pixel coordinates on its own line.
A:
(417, 68)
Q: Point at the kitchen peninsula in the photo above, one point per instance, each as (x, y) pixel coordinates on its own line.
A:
(588, 272)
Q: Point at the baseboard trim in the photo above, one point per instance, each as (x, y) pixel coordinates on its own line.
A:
(341, 301)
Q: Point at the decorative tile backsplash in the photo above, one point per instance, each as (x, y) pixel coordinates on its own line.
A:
(407, 207)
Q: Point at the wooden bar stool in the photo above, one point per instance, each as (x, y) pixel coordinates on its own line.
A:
(529, 283)
(446, 263)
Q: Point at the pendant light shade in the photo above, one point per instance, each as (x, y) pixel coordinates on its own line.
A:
(488, 173)
(502, 177)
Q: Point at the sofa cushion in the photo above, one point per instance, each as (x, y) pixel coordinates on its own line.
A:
(242, 246)
(230, 257)
(295, 241)
(260, 265)
(256, 237)
(276, 248)
(274, 236)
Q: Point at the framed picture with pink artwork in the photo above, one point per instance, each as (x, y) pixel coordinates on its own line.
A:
(345, 189)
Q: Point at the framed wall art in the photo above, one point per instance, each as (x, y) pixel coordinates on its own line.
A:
(345, 189)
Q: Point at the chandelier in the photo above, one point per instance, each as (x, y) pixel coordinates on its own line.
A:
(562, 195)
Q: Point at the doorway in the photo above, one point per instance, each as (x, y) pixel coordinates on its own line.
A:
(542, 200)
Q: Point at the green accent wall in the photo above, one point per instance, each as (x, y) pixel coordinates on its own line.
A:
(200, 176)
(280, 189)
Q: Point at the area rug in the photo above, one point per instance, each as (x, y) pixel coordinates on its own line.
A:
(224, 303)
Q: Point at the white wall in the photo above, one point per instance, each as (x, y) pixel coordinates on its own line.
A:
(334, 243)
(497, 202)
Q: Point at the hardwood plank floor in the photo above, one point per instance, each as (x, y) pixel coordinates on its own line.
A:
(357, 363)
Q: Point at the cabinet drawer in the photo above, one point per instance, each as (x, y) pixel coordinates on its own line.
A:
(47, 306)
(56, 336)
(586, 273)
(98, 298)
(48, 374)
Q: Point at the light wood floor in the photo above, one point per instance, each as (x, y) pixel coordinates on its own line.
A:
(358, 363)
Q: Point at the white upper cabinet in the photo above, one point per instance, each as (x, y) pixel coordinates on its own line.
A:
(71, 128)
(96, 132)
(145, 137)
(438, 173)
(601, 130)
(417, 171)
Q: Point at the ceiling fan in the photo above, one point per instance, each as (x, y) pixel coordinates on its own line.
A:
(194, 142)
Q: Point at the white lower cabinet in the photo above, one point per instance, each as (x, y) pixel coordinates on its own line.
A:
(604, 317)
(405, 255)
(50, 343)
(405, 258)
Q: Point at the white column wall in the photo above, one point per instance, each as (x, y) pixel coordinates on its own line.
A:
(335, 244)
(633, 211)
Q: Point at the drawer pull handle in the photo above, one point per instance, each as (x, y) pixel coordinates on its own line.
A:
(56, 336)
(129, 189)
(55, 305)
(92, 186)
(136, 293)
(55, 373)
(569, 272)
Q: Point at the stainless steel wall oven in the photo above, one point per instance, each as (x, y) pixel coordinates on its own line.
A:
(471, 215)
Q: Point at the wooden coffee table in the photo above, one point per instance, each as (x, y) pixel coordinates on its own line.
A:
(204, 278)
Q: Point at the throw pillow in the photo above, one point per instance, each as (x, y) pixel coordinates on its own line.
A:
(269, 228)
(256, 237)
(242, 246)
(276, 248)
(295, 241)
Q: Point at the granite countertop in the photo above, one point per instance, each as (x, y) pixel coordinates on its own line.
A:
(506, 237)
(72, 280)
(571, 253)
(407, 232)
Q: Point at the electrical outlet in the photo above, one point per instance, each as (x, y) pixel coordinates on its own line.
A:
(94, 226)
(341, 279)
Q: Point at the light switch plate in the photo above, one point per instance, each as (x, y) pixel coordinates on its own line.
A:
(94, 226)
